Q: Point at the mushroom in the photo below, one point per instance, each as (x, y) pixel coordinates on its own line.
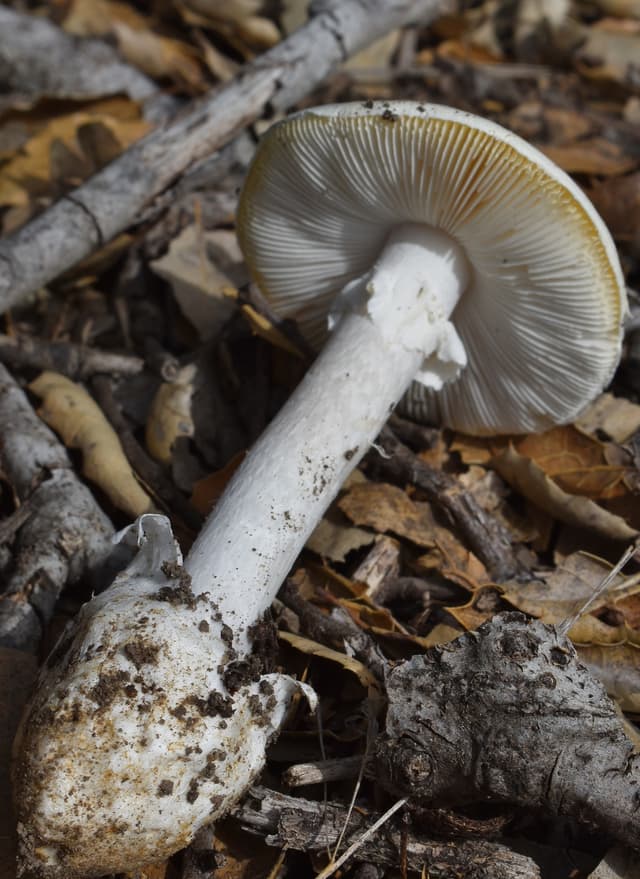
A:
(440, 248)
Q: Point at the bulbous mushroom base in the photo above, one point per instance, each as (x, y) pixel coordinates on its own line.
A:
(147, 724)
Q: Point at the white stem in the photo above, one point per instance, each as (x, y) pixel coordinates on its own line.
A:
(296, 468)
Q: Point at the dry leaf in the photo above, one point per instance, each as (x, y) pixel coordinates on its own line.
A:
(73, 414)
(555, 596)
(152, 53)
(170, 414)
(531, 481)
(609, 52)
(618, 200)
(201, 266)
(334, 538)
(312, 648)
(206, 491)
(621, 8)
(159, 56)
(595, 155)
(31, 168)
(614, 416)
(384, 507)
(576, 462)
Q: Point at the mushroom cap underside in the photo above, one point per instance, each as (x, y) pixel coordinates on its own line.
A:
(541, 318)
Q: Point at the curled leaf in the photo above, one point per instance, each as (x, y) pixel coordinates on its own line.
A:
(74, 415)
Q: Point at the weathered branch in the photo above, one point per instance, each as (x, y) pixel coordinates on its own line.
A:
(38, 59)
(509, 714)
(67, 534)
(112, 199)
(307, 825)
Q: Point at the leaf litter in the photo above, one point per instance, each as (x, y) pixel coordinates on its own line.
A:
(392, 561)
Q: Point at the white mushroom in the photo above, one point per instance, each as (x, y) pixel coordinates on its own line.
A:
(442, 248)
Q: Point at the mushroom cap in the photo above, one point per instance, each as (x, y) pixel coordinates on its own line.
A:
(541, 318)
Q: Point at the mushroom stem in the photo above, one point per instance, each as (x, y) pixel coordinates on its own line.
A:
(291, 475)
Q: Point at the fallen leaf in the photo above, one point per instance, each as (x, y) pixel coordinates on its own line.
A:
(532, 482)
(617, 417)
(594, 155)
(384, 507)
(609, 52)
(334, 538)
(312, 648)
(621, 8)
(576, 462)
(618, 200)
(159, 56)
(74, 415)
(170, 414)
(31, 167)
(152, 53)
(201, 266)
(206, 491)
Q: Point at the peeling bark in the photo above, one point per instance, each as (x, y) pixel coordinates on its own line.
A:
(112, 199)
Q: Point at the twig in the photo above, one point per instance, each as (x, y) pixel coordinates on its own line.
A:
(322, 771)
(69, 358)
(66, 537)
(112, 199)
(331, 868)
(309, 825)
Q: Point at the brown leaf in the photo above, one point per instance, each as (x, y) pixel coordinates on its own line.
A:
(207, 490)
(614, 416)
(618, 200)
(334, 538)
(595, 155)
(312, 648)
(532, 482)
(576, 462)
(74, 415)
(32, 165)
(384, 508)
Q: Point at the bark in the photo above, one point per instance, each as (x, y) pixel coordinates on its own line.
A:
(307, 825)
(38, 59)
(508, 713)
(112, 199)
(66, 536)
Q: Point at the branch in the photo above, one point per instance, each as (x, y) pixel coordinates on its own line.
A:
(307, 825)
(66, 535)
(112, 199)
